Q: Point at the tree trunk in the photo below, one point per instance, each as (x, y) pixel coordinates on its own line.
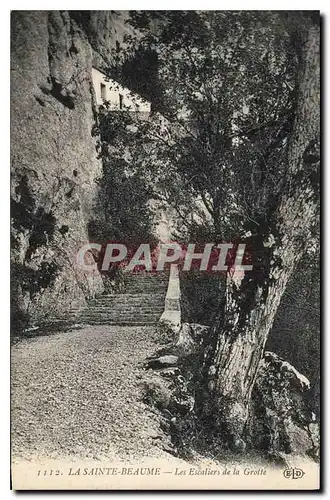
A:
(252, 298)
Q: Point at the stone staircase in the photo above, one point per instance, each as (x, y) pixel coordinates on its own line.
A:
(142, 302)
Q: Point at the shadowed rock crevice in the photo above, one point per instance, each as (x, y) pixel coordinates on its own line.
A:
(57, 92)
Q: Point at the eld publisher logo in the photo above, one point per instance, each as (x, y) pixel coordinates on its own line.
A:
(293, 473)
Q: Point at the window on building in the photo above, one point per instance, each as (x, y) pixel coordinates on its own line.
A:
(121, 99)
(103, 92)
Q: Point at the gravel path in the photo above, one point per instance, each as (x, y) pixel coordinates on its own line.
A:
(79, 394)
(77, 397)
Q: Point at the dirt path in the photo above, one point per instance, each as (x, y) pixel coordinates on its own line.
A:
(77, 398)
(79, 394)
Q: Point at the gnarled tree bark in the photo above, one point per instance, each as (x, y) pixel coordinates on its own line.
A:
(252, 299)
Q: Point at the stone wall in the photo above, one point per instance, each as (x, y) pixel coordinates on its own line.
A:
(53, 159)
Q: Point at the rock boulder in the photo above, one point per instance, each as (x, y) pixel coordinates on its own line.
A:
(282, 419)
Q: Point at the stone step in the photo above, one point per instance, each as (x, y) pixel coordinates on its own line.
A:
(127, 309)
(149, 280)
(122, 319)
(124, 300)
(118, 323)
(117, 310)
(127, 303)
(118, 314)
(141, 303)
(152, 277)
(126, 306)
(145, 285)
(144, 291)
(145, 279)
(128, 296)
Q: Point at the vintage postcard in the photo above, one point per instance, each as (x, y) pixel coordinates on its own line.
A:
(165, 278)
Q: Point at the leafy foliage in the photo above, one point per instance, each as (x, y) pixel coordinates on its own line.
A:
(124, 193)
(223, 93)
(296, 331)
(201, 295)
(223, 100)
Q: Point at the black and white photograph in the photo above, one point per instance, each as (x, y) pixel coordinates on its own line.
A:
(165, 249)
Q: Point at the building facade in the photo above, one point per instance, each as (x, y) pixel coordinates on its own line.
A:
(118, 97)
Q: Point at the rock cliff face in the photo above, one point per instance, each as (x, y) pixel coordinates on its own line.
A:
(53, 159)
